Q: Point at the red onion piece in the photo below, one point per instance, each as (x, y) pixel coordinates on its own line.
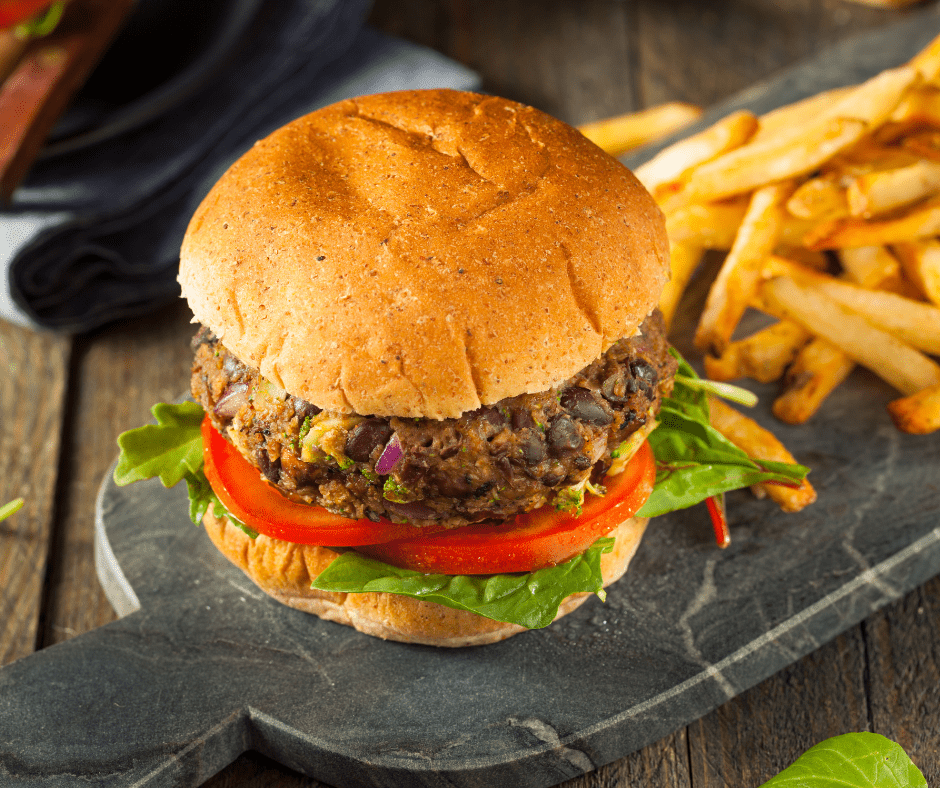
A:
(391, 454)
(233, 399)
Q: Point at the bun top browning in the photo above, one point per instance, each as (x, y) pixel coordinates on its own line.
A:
(422, 253)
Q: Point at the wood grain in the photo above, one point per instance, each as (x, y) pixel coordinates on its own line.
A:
(33, 370)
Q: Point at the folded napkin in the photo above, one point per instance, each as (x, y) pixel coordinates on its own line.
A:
(94, 235)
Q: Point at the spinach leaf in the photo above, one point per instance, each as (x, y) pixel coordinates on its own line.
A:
(530, 600)
(853, 760)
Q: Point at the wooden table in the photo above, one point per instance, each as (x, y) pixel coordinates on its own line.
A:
(64, 400)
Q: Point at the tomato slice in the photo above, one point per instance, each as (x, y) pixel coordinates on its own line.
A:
(540, 538)
(260, 506)
(14, 11)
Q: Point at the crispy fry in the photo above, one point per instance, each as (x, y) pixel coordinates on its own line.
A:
(669, 164)
(919, 106)
(760, 444)
(635, 129)
(819, 198)
(818, 368)
(763, 356)
(918, 413)
(913, 322)
(922, 221)
(869, 266)
(783, 119)
(879, 192)
(925, 144)
(739, 277)
(802, 148)
(901, 365)
(707, 225)
(684, 259)
(921, 264)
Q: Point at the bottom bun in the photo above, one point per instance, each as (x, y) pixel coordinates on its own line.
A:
(286, 570)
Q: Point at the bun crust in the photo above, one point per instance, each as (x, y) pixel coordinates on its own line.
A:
(422, 253)
(285, 571)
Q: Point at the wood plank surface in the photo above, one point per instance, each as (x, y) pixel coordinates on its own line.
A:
(63, 401)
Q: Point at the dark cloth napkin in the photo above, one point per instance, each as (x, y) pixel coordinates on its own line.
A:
(94, 235)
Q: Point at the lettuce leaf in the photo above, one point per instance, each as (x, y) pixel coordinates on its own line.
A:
(528, 599)
(852, 760)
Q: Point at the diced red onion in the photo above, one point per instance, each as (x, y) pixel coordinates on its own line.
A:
(391, 454)
(233, 399)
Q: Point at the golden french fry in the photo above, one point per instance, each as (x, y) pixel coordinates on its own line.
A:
(869, 266)
(882, 191)
(668, 165)
(921, 264)
(927, 61)
(635, 129)
(925, 144)
(684, 259)
(706, 225)
(918, 413)
(803, 148)
(901, 365)
(739, 277)
(763, 356)
(913, 322)
(804, 256)
(819, 198)
(760, 444)
(920, 106)
(818, 368)
(783, 120)
(922, 221)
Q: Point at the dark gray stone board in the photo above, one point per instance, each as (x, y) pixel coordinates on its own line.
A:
(204, 666)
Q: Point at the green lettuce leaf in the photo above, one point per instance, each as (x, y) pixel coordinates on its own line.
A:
(11, 508)
(853, 760)
(694, 461)
(170, 449)
(528, 599)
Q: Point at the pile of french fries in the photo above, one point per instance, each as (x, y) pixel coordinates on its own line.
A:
(828, 210)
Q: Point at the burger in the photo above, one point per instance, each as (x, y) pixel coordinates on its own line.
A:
(428, 367)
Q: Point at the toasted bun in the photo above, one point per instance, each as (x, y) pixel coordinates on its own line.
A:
(422, 253)
(285, 571)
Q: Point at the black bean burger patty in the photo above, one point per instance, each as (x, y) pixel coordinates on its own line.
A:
(492, 463)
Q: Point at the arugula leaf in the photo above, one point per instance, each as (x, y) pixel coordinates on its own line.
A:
(853, 760)
(529, 599)
(170, 449)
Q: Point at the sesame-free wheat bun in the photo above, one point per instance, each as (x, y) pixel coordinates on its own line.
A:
(422, 253)
(426, 312)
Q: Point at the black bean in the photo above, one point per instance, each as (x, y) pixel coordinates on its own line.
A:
(583, 405)
(645, 375)
(270, 468)
(563, 436)
(522, 418)
(490, 414)
(582, 462)
(483, 489)
(365, 437)
(303, 409)
(532, 446)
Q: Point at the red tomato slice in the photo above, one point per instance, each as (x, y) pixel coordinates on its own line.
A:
(260, 506)
(531, 541)
(14, 11)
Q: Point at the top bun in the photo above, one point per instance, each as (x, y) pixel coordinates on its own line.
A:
(422, 253)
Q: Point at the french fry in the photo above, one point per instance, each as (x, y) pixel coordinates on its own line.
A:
(684, 259)
(763, 356)
(803, 148)
(869, 266)
(821, 198)
(921, 264)
(707, 225)
(783, 119)
(818, 368)
(919, 106)
(925, 144)
(901, 365)
(739, 277)
(760, 444)
(914, 322)
(879, 192)
(635, 129)
(918, 413)
(669, 164)
(921, 221)
(927, 61)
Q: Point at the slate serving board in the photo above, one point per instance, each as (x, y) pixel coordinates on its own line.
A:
(202, 666)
